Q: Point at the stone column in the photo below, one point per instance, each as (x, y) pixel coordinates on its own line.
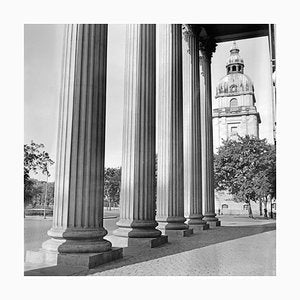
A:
(137, 197)
(192, 132)
(207, 47)
(170, 201)
(77, 231)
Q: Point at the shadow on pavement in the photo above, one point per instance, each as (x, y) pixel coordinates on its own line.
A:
(196, 241)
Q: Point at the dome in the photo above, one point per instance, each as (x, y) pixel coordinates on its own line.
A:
(234, 84)
(234, 57)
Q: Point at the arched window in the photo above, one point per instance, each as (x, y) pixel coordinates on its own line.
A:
(240, 68)
(234, 68)
(233, 88)
(233, 102)
(224, 206)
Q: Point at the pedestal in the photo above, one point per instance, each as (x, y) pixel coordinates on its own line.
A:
(45, 258)
(89, 260)
(144, 243)
(177, 234)
(199, 227)
(214, 224)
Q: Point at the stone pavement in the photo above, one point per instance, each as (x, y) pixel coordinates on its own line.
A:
(242, 246)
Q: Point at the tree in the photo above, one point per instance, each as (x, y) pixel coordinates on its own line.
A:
(112, 184)
(36, 193)
(246, 168)
(32, 191)
(35, 160)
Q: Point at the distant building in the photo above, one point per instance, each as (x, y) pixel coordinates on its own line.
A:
(236, 113)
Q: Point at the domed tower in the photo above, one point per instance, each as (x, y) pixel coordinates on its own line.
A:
(236, 112)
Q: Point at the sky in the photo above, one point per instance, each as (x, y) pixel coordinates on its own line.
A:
(43, 46)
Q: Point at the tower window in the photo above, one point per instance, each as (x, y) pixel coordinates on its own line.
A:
(233, 131)
(233, 102)
(234, 68)
(240, 68)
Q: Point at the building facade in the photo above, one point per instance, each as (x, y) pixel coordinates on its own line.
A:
(236, 113)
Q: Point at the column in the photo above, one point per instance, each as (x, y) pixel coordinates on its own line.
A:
(78, 205)
(192, 132)
(207, 47)
(170, 201)
(137, 197)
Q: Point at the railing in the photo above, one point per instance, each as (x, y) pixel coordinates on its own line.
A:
(38, 211)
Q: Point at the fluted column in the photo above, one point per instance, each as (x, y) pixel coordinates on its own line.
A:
(78, 203)
(207, 47)
(137, 198)
(170, 201)
(192, 130)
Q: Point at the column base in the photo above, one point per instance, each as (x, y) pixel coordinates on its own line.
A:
(121, 241)
(77, 240)
(195, 219)
(199, 227)
(174, 227)
(137, 229)
(172, 223)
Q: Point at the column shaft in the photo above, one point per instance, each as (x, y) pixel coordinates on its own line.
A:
(207, 140)
(78, 204)
(137, 205)
(192, 131)
(170, 201)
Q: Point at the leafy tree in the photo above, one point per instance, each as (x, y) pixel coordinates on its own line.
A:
(36, 193)
(35, 160)
(31, 191)
(112, 184)
(246, 168)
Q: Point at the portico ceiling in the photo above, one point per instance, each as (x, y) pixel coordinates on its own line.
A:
(230, 32)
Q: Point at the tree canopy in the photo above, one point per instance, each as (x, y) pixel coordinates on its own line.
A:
(112, 185)
(35, 159)
(35, 193)
(246, 168)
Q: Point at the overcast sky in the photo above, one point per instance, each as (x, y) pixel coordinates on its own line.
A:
(42, 73)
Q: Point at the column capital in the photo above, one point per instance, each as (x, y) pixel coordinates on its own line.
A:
(189, 31)
(207, 47)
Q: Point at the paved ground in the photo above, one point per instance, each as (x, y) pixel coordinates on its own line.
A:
(242, 246)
